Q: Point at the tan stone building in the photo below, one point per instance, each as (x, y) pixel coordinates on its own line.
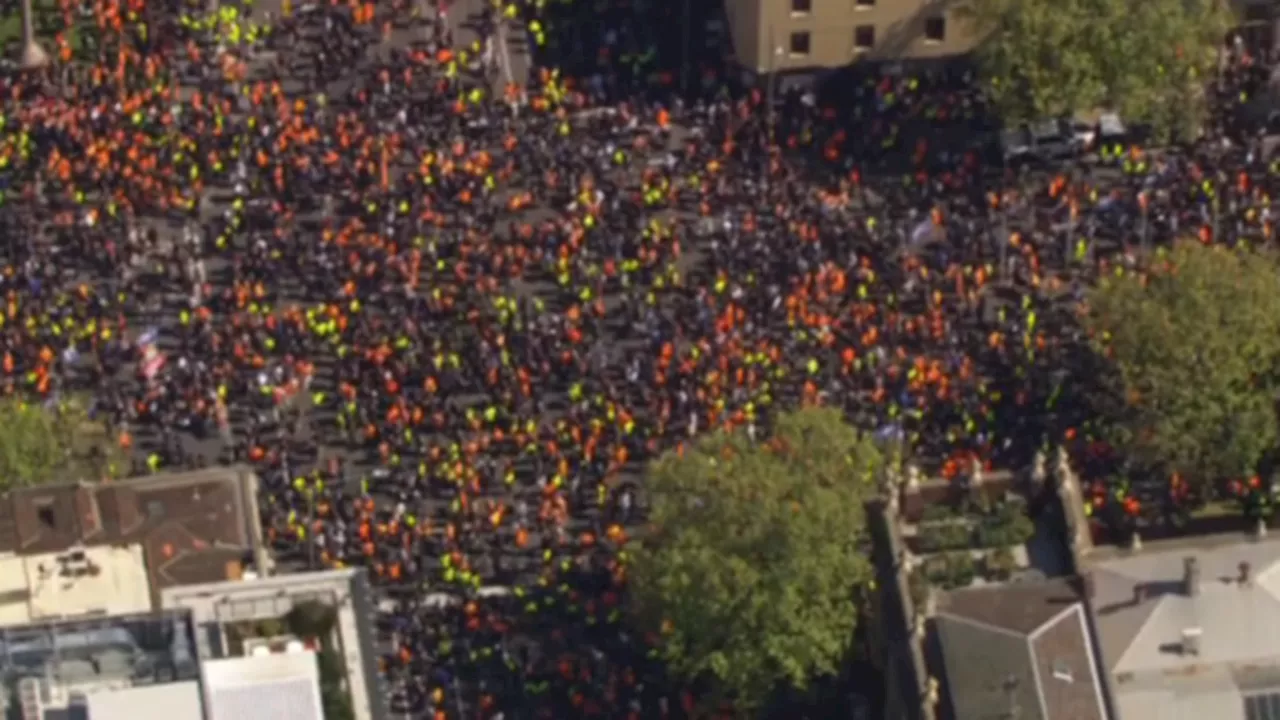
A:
(796, 35)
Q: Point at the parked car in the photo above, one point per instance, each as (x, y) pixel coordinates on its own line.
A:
(1109, 130)
(1044, 141)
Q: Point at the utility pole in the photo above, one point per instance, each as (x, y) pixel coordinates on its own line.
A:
(775, 53)
(33, 56)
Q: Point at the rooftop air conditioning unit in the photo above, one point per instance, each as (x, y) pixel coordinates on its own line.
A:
(29, 699)
(1191, 641)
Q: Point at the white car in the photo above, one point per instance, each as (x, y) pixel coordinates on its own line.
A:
(1109, 128)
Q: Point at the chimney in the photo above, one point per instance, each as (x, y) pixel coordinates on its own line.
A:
(1191, 576)
(1246, 575)
(1191, 640)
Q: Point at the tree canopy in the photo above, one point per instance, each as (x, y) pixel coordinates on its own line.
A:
(40, 444)
(751, 573)
(1147, 60)
(1194, 343)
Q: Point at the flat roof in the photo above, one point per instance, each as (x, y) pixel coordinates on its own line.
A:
(15, 593)
(170, 701)
(347, 589)
(263, 687)
(103, 580)
(192, 526)
(51, 586)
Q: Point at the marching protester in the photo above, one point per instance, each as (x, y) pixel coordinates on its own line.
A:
(449, 322)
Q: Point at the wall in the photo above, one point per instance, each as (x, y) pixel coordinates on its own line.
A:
(745, 30)
(907, 696)
(897, 27)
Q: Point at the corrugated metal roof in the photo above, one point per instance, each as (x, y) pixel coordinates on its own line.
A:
(1236, 625)
(293, 699)
(1207, 694)
(280, 686)
(171, 701)
(1143, 611)
(1141, 607)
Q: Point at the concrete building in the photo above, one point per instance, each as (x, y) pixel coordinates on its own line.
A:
(803, 35)
(1190, 628)
(85, 549)
(61, 671)
(113, 599)
(82, 550)
(217, 606)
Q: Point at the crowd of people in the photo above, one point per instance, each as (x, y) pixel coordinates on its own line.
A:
(449, 318)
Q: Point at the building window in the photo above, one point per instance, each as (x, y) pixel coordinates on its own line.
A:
(1262, 706)
(799, 43)
(44, 511)
(864, 37)
(863, 4)
(801, 7)
(935, 29)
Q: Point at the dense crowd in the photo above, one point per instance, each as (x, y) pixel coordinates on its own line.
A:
(448, 319)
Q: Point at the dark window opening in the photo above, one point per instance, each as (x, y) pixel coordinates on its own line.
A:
(935, 29)
(864, 37)
(801, 6)
(800, 43)
(47, 518)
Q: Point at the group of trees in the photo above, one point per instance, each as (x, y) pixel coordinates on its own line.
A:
(1147, 60)
(757, 554)
(1193, 349)
(58, 442)
(758, 550)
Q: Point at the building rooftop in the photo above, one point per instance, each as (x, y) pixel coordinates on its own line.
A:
(171, 701)
(190, 527)
(1190, 627)
(1019, 608)
(216, 604)
(263, 687)
(1019, 649)
(50, 669)
(100, 580)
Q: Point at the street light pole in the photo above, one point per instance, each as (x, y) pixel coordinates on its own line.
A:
(33, 56)
(773, 81)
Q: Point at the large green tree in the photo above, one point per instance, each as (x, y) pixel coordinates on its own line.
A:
(757, 553)
(49, 444)
(1194, 343)
(1147, 60)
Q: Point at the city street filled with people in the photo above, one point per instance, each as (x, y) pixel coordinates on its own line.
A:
(448, 314)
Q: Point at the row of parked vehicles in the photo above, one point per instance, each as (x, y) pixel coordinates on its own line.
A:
(1062, 139)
